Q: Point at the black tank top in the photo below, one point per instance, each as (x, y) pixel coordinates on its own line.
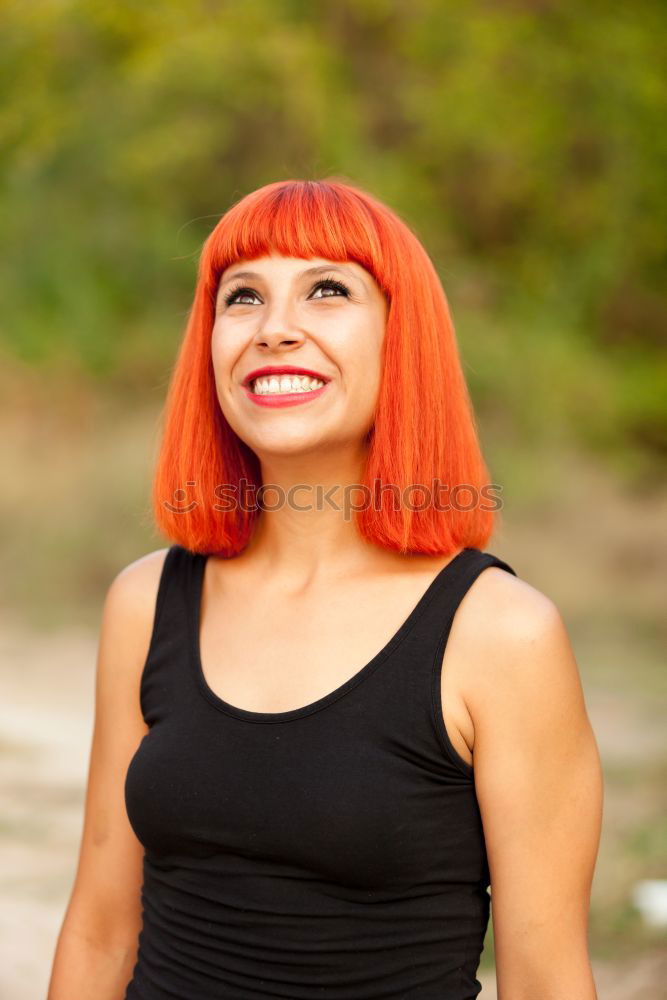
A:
(335, 850)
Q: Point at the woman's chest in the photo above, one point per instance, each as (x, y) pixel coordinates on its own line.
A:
(358, 800)
(275, 659)
(271, 660)
(276, 654)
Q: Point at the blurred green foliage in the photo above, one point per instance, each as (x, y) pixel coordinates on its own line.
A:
(523, 141)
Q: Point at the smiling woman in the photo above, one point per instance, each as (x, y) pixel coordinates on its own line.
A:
(323, 730)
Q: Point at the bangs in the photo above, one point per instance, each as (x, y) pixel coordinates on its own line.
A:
(295, 219)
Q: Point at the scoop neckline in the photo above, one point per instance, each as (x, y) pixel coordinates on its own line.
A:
(194, 618)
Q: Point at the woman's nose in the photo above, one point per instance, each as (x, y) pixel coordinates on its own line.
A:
(278, 325)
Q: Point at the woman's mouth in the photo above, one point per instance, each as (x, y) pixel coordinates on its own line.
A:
(284, 390)
(273, 384)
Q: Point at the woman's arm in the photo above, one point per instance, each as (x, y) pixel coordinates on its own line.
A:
(97, 944)
(539, 785)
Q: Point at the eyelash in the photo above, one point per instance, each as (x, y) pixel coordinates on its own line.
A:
(326, 282)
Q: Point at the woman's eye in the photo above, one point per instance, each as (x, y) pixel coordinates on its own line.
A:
(337, 286)
(236, 295)
(232, 296)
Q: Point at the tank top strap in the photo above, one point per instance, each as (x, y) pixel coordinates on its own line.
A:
(455, 580)
(164, 678)
(451, 586)
(448, 589)
(431, 633)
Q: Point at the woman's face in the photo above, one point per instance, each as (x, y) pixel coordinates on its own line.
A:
(287, 314)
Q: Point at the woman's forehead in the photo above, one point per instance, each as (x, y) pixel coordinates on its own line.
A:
(258, 267)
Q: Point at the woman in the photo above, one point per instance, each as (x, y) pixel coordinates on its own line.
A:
(326, 719)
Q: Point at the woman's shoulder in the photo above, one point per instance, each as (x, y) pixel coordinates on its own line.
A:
(509, 608)
(138, 581)
(125, 632)
(511, 635)
(130, 601)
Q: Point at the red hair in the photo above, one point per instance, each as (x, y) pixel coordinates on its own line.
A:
(424, 426)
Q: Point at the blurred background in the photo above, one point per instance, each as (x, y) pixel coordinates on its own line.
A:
(525, 143)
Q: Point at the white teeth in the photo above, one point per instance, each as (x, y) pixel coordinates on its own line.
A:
(285, 383)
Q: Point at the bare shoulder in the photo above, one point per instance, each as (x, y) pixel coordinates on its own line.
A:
(511, 630)
(137, 583)
(129, 606)
(521, 679)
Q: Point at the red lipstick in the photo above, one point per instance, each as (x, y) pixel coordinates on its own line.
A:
(282, 370)
(283, 398)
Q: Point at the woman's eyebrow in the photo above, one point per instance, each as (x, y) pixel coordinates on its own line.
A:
(320, 269)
